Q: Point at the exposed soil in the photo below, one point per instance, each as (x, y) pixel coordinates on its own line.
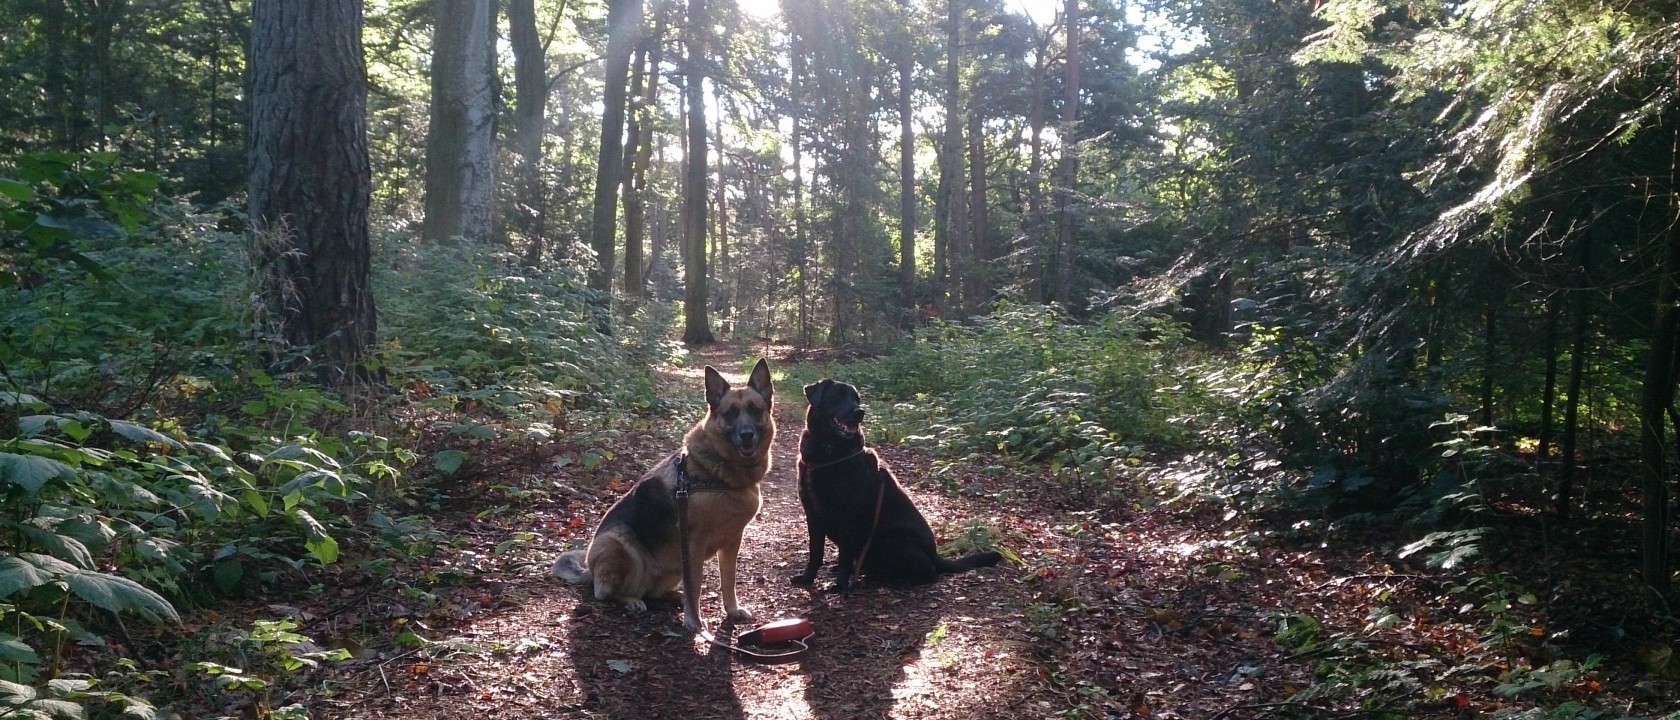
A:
(1118, 612)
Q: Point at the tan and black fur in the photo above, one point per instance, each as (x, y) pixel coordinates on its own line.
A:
(635, 553)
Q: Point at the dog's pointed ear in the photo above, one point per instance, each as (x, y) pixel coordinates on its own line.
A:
(716, 386)
(815, 391)
(759, 380)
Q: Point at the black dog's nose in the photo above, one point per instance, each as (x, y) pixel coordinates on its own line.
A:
(856, 415)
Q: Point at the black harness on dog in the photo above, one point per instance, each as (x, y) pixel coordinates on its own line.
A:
(685, 486)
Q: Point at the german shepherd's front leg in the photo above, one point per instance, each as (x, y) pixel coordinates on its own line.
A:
(691, 574)
(726, 575)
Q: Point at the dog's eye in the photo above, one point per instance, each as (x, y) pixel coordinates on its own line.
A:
(731, 413)
(755, 411)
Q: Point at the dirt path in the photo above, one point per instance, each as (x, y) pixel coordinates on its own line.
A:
(1129, 608)
(519, 643)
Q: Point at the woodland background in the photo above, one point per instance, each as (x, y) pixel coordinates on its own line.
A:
(280, 281)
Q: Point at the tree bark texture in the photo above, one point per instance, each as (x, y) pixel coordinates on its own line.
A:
(310, 180)
(624, 21)
(1069, 161)
(697, 324)
(906, 175)
(530, 90)
(461, 146)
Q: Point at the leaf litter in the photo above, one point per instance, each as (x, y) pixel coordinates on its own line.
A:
(1125, 611)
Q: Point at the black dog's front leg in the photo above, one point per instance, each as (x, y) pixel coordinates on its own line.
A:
(843, 567)
(814, 557)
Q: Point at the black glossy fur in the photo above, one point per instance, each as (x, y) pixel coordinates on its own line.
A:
(839, 481)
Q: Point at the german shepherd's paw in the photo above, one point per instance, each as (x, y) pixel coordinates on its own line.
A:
(740, 615)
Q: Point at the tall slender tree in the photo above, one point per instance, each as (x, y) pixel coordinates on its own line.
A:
(624, 22)
(310, 181)
(1070, 158)
(461, 144)
(906, 168)
(697, 324)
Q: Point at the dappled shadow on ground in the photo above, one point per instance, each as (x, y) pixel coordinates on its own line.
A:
(1140, 608)
(628, 666)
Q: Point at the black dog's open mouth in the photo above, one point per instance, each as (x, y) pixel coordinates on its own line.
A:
(847, 428)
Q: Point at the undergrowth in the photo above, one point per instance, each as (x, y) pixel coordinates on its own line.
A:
(152, 465)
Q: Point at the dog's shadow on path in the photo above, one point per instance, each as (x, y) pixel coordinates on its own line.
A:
(645, 666)
(865, 640)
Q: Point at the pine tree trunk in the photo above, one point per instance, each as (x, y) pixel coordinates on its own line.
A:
(310, 182)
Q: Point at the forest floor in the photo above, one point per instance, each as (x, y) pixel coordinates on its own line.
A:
(1147, 610)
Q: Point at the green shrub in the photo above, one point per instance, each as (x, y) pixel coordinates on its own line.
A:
(1088, 398)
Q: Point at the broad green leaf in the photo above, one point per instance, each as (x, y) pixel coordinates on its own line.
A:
(116, 593)
(256, 502)
(229, 573)
(59, 546)
(318, 542)
(448, 461)
(31, 472)
(65, 686)
(14, 650)
(14, 190)
(134, 707)
(18, 573)
(142, 434)
(299, 452)
(8, 397)
(49, 708)
(12, 693)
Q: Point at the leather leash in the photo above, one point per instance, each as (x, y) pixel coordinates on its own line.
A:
(684, 487)
(875, 522)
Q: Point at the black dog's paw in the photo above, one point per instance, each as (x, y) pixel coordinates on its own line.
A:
(843, 583)
(806, 578)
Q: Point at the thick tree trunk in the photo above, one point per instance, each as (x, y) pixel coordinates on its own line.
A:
(530, 87)
(310, 181)
(461, 146)
(1656, 402)
(697, 326)
(624, 22)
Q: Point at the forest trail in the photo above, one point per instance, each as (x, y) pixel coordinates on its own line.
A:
(1100, 619)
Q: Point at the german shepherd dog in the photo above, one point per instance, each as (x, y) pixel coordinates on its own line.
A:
(852, 498)
(636, 552)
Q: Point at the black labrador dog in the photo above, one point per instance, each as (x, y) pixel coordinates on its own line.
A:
(850, 497)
